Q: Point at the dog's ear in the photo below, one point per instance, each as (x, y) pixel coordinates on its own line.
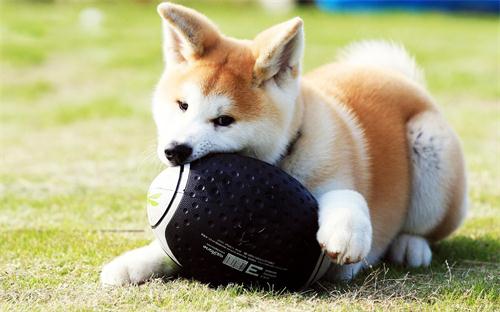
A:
(187, 34)
(278, 51)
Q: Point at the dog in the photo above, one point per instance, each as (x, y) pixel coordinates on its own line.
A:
(362, 134)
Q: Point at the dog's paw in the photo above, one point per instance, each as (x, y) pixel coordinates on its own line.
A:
(135, 266)
(346, 237)
(125, 270)
(138, 266)
(410, 250)
(115, 273)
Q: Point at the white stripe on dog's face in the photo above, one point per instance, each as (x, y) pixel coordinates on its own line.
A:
(204, 107)
(194, 127)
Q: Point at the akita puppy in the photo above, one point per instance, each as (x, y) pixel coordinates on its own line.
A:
(362, 134)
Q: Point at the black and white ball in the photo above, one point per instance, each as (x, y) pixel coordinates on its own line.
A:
(232, 219)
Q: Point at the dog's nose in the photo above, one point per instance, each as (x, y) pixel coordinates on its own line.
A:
(178, 153)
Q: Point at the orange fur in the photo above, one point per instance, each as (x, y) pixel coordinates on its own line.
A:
(382, 102)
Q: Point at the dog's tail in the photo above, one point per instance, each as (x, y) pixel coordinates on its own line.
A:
(388, 55)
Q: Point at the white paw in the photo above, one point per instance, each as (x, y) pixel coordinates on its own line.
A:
(346, 236)
(115, 273)
(411, 250)
(125, 270)
(136, 266)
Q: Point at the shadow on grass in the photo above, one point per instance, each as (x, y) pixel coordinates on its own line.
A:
(460, 248)
(463, 268)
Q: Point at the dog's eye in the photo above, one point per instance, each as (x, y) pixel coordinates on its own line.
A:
(223, 121)
(182, 105)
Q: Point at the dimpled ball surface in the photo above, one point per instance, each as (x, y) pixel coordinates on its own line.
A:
(244, 221)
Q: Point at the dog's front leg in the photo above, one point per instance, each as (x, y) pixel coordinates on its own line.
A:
(137, 266)
(345, 230)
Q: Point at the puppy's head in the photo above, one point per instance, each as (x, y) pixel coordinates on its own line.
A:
(219, 94)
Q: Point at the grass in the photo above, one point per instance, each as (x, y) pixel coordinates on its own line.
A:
(78, 154)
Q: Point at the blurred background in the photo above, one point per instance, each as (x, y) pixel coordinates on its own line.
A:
(77, 77)
(78, 141)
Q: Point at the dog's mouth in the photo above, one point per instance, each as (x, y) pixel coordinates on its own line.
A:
(191, 159)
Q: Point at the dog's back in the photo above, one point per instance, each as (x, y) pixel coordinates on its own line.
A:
(416, 165)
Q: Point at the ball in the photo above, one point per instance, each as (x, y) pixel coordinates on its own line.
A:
(227, 218)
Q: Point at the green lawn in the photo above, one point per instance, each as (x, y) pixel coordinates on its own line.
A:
(77, 156)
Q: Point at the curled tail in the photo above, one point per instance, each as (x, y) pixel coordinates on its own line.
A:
(388, 55)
